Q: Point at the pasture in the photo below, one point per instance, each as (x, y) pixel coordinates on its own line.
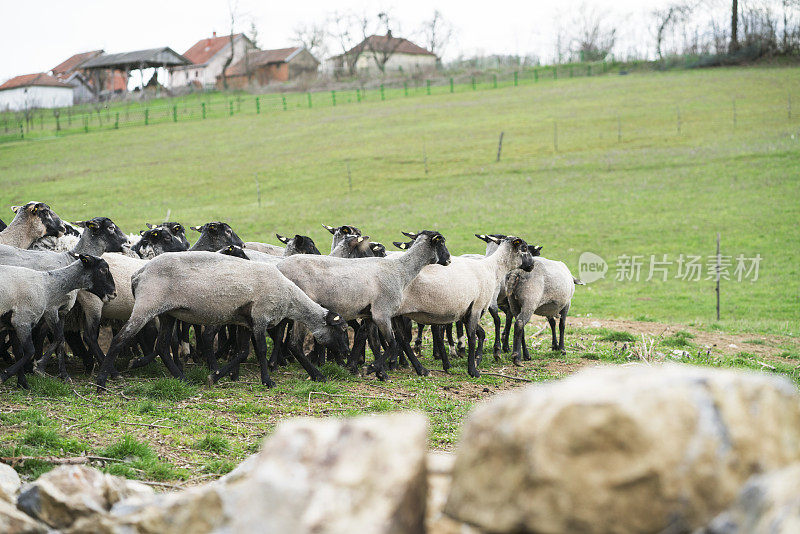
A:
(639, 165)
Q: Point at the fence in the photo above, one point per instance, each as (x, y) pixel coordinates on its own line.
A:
(48, 123)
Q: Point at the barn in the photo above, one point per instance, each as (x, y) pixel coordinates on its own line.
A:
(208, 57)
(261, 67)
(30, 91)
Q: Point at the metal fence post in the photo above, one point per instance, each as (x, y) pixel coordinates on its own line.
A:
(428, 86)
(258, 106)
(174, 113)
(383, 97)
(535, 75)
(309, 100)
(146, 116)
(230, 107)
(495, 81)
(516, 78)
(405, 88)
(203, 106)
(116, 121)
(451, 84)
(283, 99)
(473, 83)
(358, 95)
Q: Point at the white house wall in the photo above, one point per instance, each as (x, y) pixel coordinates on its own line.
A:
(207, 74)
(409, 63)
(35, 97)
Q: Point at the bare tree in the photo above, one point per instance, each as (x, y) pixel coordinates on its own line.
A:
(233, 8)
(312, 38)
(595, 38)
(437, 33)
(667, 18)
(734, 25)
(382, 48)
(341, 30)
(253, 34)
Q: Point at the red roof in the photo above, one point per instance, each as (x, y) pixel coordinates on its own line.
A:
(262, 57)
(204, 49)
(27, 80)
(387, 43)
(75, 61)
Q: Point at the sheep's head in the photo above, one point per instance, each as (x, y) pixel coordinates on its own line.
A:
(521, 252)
(299, 244)
(44, 220)
(216, 235)
(334, 334)
(157, 241)
(378, 249)
(233, 250)
(101, 283)
(177, 229)
(436, 242)
(103, 229)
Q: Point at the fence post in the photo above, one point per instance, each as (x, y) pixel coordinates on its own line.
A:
(383, 97)
(203, 107)
(358, 95)
(473, 83)
(230, 107)
(570, 71)
(405, 88)
(588, 70)
(495, 81)
(58, 124)
(333, 98)
(516, 78)
(174, 113)
(86, 122)
(146, 116)
(258, 106)
(116, 121)
(789, 106)
(309, 100)
(451, 84)
(679, 119)
(555, 72)
(499, 147)
(428, 85)
(283, 99)
(21, 131)
(535, 75)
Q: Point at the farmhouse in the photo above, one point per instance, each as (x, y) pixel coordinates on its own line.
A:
(209, 57)
(30, 91)
(261, 67)
(393, 53)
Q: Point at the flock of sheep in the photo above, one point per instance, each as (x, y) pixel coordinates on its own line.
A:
(59, 283)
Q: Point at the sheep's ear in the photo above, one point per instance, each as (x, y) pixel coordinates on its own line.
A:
(398, 244)
(151, 226)
(482, 237)
(360, 239)
(410, 235)
(493, 239)
(82, 224)
(15, 209)
(331, 229)
(91, 225)
(534, 250)
(196, 228)
(282, 239)
(86, 260)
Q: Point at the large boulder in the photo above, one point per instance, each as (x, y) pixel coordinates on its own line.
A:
(323, 476)
(12, 521)
(768, 504)
(633, 449)
(67, 493)
(9, 483)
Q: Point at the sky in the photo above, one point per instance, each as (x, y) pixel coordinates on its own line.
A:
(39, 34)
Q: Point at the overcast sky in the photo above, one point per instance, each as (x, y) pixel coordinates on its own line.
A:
(39, 34)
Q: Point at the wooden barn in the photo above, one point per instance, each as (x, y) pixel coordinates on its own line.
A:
(262, 67)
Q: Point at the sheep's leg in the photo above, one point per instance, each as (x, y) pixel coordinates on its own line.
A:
(418, 341)
(495, 313)
(164, 343)
(406, 346)
(519, 341)
(384, 324)
(146, 339)
(460, 338)
(451, 345)
(359, 342)
(260, 335)
(526, 356)
(139, 318)
(471, 328)
(276, 335)
(481, 335)
(78, 348)
(243, 350)
(373, 339)
(552, 322)
(438, 344)
(24, 336)
(562, 323)
(208, 334)
(312, 370)
(4, 346)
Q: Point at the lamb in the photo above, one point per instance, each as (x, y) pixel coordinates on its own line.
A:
(32, 221)
(215, 236)
(367, 287)
(340, 232)
(213, 289)
(546, 290)
(462, 292)
(27, 296)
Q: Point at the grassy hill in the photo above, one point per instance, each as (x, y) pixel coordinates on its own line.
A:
(645, 164)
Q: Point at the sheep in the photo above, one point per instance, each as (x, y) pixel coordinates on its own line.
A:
(175, 228)
(367, 287)
(27, 296)
(339, 232)
(64, 243)
(209, 288)
(215, 236)
(32, 221)
(500, 302)
(299, 244)
(462, 292)
(2, 225)
(353, 246)
(158, 240)
(265, 248)
(547, 291)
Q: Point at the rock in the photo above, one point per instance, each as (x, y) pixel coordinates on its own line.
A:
(323, 476)
(12, 521)
(9, 483)
(67, 493)
(440, 467)
(633, 449)
(768, 504)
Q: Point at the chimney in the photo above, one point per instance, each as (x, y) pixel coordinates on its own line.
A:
(214, 35)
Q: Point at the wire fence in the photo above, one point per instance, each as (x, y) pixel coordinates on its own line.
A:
(49, 123)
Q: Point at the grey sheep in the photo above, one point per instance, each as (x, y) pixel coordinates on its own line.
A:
(32, 221)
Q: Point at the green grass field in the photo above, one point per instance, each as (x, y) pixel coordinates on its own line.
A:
(623, 181)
